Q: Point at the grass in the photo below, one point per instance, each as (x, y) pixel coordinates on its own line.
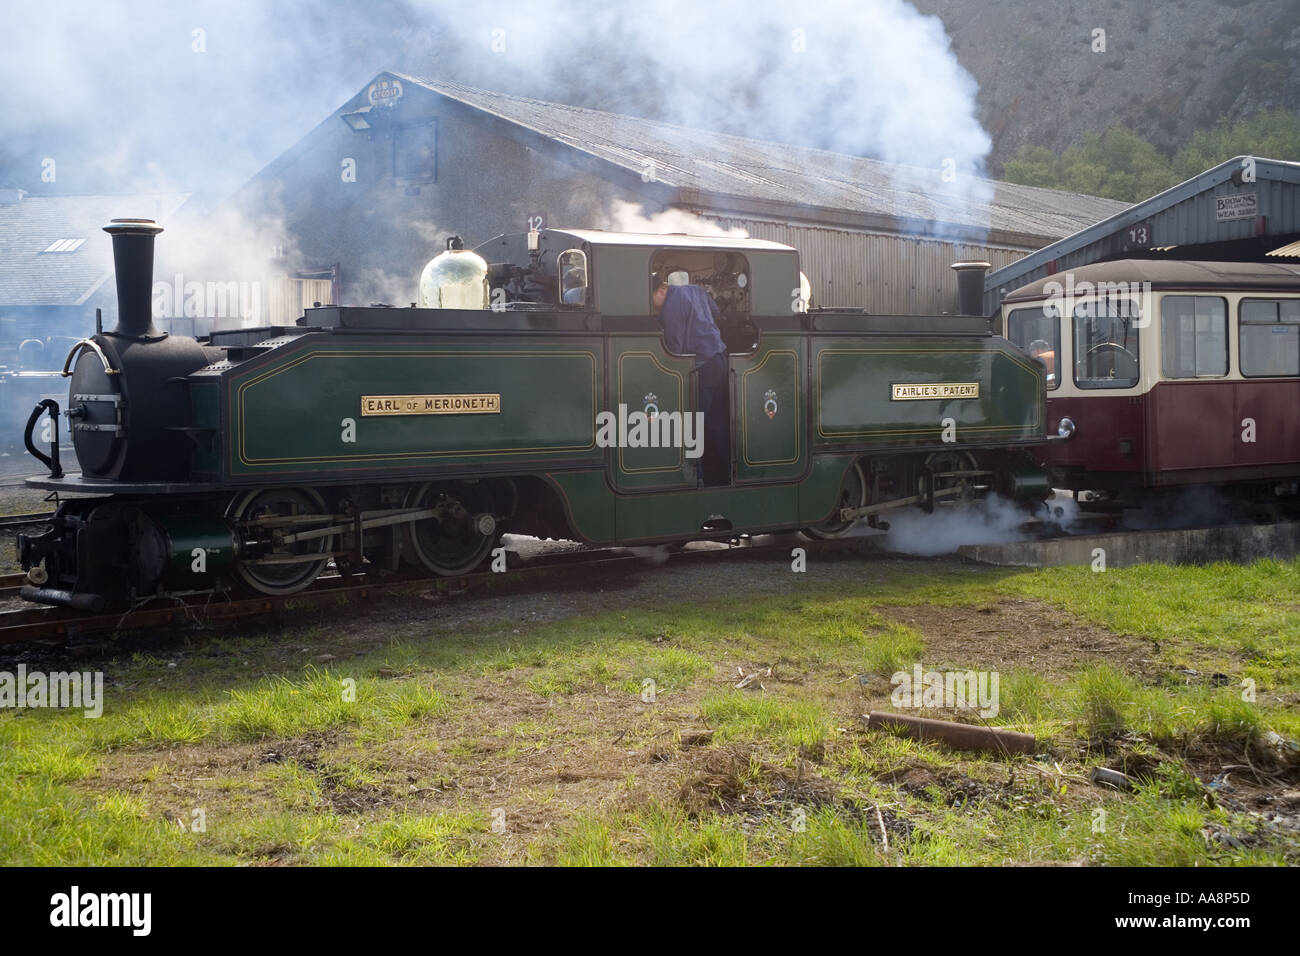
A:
(795, 723)
(578, 728)
(1241, 619)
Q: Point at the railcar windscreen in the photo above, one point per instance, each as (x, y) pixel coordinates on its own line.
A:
(1106, 343)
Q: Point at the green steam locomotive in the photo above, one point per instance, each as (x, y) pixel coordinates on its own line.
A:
(529, 391)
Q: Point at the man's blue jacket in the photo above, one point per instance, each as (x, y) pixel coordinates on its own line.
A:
(690, 323)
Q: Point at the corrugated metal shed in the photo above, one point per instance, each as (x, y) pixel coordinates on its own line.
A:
(1245, 208)
(30, 225)
(878, 272)
(719, 173)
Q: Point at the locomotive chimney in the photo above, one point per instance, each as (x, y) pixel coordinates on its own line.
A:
(133, 265)
(970, 286)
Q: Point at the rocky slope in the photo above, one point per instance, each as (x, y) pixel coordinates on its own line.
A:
(1169, 67)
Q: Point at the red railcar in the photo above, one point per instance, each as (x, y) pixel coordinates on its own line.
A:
(1168, 373)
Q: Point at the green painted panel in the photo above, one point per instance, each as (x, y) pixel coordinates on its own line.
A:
(599, 515)
(775, 285)
(589, 502)
(650, 381)
(622, 279)
(304, 410)
(682, 513)
(819, 493)
(856, 404)
(769, 408)
(205, 405)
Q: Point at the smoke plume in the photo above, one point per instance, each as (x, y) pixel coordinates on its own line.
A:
(125, 96)
(631, 217)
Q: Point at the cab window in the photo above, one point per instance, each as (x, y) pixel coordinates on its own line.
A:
(725, 276)
(1106, 343)
(1193, 336)
(1269, 337)
(571, 265)
(1040, 336)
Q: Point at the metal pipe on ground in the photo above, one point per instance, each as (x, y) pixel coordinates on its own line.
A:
(962, 736)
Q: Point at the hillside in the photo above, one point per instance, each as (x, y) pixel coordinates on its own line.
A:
(1170, 67)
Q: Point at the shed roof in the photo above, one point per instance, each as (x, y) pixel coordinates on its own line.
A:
(721, 172)
(1213, 210)
(31, 225)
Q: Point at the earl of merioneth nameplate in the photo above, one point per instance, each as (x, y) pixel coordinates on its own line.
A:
(474, 404)
(904, 393)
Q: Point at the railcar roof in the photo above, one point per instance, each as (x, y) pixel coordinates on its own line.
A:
(1171, 274)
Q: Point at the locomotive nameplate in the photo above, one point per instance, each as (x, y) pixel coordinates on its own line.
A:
(469, 404)
(906, 393)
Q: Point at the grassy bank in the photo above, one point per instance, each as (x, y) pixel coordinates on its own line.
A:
(622, 738)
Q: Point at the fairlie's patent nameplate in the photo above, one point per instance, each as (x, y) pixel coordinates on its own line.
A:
(478, 404)
(903, 393)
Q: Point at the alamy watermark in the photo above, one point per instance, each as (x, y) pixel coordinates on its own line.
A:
(651, 428)
(69, 691)
(959, 690)
(128, 910)
(1087, 300)
(217, 300)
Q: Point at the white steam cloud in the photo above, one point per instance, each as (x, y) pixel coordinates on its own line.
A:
(631, 217)
(116, 96)
(870, 78)
(129, 97)
(225, 244)
(992, 520)
(864, 77)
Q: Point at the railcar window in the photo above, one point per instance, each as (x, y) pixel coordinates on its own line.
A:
(1106, 343)
(1269, 337)
(1194, 336)
(1040, 336)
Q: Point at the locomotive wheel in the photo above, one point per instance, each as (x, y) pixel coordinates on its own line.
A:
(853, 494)
(285, 578)
(460, 538)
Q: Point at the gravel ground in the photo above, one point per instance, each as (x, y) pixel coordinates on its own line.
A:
(651, 584)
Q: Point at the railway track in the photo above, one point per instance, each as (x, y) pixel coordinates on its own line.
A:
(19, 521)
(61, 625)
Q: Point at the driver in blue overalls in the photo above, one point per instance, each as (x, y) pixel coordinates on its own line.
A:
(689, 317)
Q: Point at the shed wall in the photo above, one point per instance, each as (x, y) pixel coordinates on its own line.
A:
(879, 272)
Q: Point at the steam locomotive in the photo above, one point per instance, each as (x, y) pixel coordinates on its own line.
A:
(369, 438)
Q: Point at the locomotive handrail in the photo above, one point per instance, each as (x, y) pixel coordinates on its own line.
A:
(50, 461)
(94, 347)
